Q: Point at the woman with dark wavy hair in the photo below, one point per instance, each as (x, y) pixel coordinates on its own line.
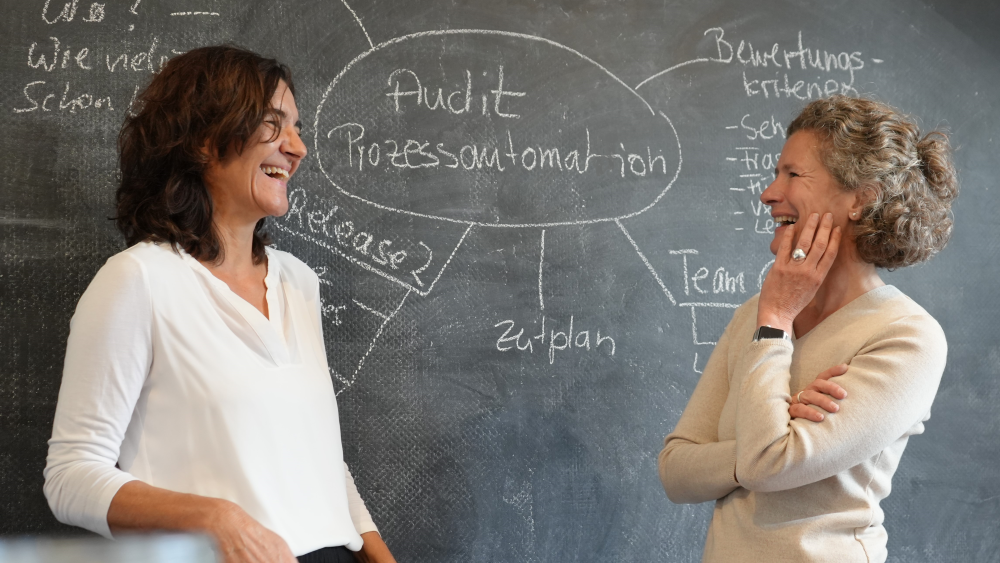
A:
(802, 413)
(196, 394)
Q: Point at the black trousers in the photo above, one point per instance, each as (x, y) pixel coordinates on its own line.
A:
(338, 554)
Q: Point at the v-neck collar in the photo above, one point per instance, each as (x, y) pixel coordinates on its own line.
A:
(870, 297)
(270, 331)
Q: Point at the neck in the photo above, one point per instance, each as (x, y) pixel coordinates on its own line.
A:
(236, 242)
(848, 279)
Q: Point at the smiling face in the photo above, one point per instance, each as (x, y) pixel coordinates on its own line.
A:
(804, 186)
(248, 186)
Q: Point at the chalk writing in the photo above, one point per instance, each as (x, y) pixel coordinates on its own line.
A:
(457, 102)
(840, 68)
(40, 96)
(568, 339)
(378, 250)
(413, 154)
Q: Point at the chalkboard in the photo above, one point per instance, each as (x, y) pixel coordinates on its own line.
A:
(531, 222)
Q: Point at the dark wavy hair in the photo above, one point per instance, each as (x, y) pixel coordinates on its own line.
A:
(205, 102)
(870, 146)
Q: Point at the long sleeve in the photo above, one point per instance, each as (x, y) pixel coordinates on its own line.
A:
(363, 522)
(694, 465)
(891, 384)
(108, 356)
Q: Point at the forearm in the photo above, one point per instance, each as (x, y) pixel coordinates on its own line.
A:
(770, 452)
(693, 473)
(695, 465)
(139, 507)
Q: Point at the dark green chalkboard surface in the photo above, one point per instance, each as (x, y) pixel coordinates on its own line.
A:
(531, 220)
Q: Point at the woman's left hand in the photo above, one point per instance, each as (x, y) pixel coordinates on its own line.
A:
(820, 393)
(791, 285)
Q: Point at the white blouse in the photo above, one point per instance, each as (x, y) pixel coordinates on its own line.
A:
(173, 379)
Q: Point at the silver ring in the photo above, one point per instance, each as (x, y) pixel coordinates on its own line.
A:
(798, 398)
(799, 255)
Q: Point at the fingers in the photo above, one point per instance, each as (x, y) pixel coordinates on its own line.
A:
(810, 397)
(826, 262)
(799, 410)
(785, 247)
(806, 238)
(822, 238)
(829, 388)
(837, 370)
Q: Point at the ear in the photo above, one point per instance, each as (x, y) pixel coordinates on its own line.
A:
(862, 197)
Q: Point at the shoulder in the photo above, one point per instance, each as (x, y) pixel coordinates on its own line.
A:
(160, 265)
(133, 264)
(153, 258)
(126, 280)
(293, 270)
(894, 315)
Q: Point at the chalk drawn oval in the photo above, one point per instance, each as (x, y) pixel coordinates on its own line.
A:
(495, 129)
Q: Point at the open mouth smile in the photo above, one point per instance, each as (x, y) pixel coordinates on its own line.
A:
(276, 172)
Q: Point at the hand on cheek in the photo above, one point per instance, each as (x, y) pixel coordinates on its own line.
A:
(792, 283)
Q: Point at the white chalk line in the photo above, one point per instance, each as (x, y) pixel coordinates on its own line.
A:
(368, 266)
(43, 223)
(373, 342)
(361, 25)
(541, 261)
(723, 305)
(370, 310)
(694, 366)
(421, 34)
(646, 262)
(694, 329)
(329, 89)
(448, 261)
(763, 272)
(676, 66)
(338, 376)
(337, 251)
(192, 13)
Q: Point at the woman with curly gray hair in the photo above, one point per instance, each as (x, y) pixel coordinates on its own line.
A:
(803, 411)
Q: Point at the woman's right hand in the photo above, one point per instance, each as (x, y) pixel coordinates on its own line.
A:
(241, 539)
(819, 393)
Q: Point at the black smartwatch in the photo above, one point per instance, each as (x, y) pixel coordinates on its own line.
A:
(765, 331)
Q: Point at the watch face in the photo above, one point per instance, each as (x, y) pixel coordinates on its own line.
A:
(769, 332)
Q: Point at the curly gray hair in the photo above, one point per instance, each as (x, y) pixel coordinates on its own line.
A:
(910, 179)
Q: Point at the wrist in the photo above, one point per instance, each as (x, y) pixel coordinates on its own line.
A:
(218, 515)
(774, 321)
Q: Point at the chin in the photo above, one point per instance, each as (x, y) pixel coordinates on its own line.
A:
(276, 207)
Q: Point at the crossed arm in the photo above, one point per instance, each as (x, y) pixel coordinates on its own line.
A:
(889, 388)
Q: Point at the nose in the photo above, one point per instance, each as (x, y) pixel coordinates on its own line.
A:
(771, 194)
(292, 145)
